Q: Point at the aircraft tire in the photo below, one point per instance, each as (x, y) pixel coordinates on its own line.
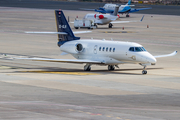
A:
(144, 72)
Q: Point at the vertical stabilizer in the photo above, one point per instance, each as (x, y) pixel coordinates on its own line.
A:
(63, 26)
(129, 2)
(116, 10)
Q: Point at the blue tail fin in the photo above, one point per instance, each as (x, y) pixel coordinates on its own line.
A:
(129, 2)
(63, 26)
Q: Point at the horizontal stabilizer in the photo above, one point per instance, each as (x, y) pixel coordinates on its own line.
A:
(167, 55)
(62, 33)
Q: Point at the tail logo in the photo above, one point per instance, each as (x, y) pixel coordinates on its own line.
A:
(62, 26)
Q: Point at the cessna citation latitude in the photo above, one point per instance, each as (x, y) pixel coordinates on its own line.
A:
(98, 52)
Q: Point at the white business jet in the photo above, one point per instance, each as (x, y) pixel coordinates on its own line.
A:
(103, 19)
(98, 52)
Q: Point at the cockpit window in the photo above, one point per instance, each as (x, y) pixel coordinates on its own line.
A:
(131, 49)
(137, 49)
(143, 49)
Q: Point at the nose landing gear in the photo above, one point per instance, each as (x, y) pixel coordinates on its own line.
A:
(144, 70)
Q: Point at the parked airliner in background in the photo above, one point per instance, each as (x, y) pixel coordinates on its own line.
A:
(99, 52)
(103, 19)
(123, 9)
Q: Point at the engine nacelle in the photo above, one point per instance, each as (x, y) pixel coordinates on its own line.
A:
(101, 16)
(72, 48)
(79, 47)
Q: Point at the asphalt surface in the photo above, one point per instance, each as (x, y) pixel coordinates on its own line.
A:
(52, 4)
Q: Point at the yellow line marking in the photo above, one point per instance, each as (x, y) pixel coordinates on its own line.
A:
(118, 118)
(5, 67)
(80, 111)
(88, 112)
(67, 73)
(71, 110)
(108, 116)
(99, 114)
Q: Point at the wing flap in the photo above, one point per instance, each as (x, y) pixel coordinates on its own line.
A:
(129, 21)
(62, 60)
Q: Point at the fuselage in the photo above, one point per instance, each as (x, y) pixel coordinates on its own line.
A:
(109, 52)
(101, 19)
(122, 9)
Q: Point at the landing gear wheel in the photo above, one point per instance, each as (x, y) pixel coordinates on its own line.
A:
(127, 15)
(110, 25)
(144, 72)
(87, 68)
(111, 67)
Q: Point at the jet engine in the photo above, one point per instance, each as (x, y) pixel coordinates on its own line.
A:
(101, 16)
(79, 47)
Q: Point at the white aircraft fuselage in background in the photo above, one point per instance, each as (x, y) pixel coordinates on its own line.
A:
(101, 19)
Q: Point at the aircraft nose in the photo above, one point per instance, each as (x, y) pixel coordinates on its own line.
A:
(152, 60)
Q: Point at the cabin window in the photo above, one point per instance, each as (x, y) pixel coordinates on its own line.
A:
(113, 49)
(103, 48)
(107, 49)
(99, 48)
(110, 49)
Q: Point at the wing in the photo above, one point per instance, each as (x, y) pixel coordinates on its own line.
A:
(168, 55)
(128, 21)
(62, 33)
(135, 10)
(62, 60)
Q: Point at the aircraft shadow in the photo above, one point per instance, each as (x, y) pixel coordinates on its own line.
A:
(54, 70)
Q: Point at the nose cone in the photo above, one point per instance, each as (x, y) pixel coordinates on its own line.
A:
(152, 60)
(148, 58)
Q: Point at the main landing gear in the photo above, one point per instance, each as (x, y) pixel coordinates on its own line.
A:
(110, 25)
(127, 15)
(111, 67)
(87, 67)
(144, 70)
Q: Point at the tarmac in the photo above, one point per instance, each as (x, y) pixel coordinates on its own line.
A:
(46, 90)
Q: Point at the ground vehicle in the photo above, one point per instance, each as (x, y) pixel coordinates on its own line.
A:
(84, 24)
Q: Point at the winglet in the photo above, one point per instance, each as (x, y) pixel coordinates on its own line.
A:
(142, 18)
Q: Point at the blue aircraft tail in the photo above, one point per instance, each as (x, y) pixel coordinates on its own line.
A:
(129, 2)
(63, 27)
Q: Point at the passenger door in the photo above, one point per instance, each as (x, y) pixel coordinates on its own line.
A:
(95, 49)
